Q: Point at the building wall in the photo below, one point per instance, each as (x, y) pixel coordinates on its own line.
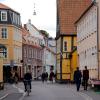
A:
(32, 51)
(58, 58)
(74, 64)
(12, 42)
(98, 5)
(11, 45)
(87, 41)
(68, 11)
(64, 62)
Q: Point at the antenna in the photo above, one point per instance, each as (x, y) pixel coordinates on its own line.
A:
(34, 13)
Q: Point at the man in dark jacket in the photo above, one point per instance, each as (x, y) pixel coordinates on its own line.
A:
(27, 78)
(43, 76)
(85, 77)
(77, 78)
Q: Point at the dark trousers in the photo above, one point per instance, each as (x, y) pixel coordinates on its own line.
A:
(25, 85)
(78, 83)
(78, 86)
(85, 84)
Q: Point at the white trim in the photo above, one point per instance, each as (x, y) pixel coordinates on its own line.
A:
(4, 12)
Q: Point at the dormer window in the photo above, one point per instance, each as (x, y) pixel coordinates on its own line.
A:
(3, 16)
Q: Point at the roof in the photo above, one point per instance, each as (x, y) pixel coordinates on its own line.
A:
(2, 6)
(85, 12)
(24, 31)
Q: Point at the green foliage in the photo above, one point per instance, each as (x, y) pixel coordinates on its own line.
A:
(44, 33)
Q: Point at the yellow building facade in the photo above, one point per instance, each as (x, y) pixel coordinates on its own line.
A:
(66, 58)
(10, 41)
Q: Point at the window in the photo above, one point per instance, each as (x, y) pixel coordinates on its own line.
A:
(4, 33)
(3, 16)
(68, 55)
(65, 46)
(3, 52)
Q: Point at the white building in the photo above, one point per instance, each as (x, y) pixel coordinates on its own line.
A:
(35, 40)
(50, 55)
(87, 37)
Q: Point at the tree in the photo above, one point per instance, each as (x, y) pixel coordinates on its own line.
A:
(44, 33)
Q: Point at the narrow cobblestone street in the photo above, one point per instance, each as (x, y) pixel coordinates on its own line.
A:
(49, 91)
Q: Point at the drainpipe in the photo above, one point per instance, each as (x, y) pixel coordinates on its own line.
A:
(96, 4)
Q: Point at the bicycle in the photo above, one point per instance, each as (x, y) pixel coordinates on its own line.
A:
(28, 89)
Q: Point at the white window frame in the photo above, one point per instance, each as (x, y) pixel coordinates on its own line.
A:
(4, 33)
(3, 12)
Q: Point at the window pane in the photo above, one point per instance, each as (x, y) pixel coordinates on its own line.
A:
(3, 16)
(4, 33)
(65, 46)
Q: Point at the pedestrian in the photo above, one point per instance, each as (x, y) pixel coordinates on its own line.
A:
(43, 76)
(77, 78)
(27, 78)
(85, 78)
(46, 76)
(51, 76)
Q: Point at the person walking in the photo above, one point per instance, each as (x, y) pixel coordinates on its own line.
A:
(77, 78)
(51, 76)
(85, 77)
(27, 78)
(46, 76)
(43, 76)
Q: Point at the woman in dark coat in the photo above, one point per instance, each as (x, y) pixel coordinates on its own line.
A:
(77, 78)
(85, 77)
(51, 76)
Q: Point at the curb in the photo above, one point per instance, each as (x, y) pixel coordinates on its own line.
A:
(4, 96)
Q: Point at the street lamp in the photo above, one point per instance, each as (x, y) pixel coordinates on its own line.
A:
(34, 13)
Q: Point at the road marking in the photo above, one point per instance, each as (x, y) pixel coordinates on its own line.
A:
(4, 96)
(20, 91)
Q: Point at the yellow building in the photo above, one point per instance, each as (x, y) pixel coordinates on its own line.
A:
(66, 57)
(67, 14)
(11, 40)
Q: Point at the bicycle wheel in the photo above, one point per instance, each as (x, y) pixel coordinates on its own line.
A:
(28, 89)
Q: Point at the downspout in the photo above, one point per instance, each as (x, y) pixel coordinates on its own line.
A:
(96, 4)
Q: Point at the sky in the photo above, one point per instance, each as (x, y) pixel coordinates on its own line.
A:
(45, 18)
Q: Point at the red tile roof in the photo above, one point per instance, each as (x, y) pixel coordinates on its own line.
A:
(24, 31)
(4, 6)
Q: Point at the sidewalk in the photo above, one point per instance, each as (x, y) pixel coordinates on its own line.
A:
(90, 92)
(8, 89)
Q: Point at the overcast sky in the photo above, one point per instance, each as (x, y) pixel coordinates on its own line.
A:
(45, 9)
